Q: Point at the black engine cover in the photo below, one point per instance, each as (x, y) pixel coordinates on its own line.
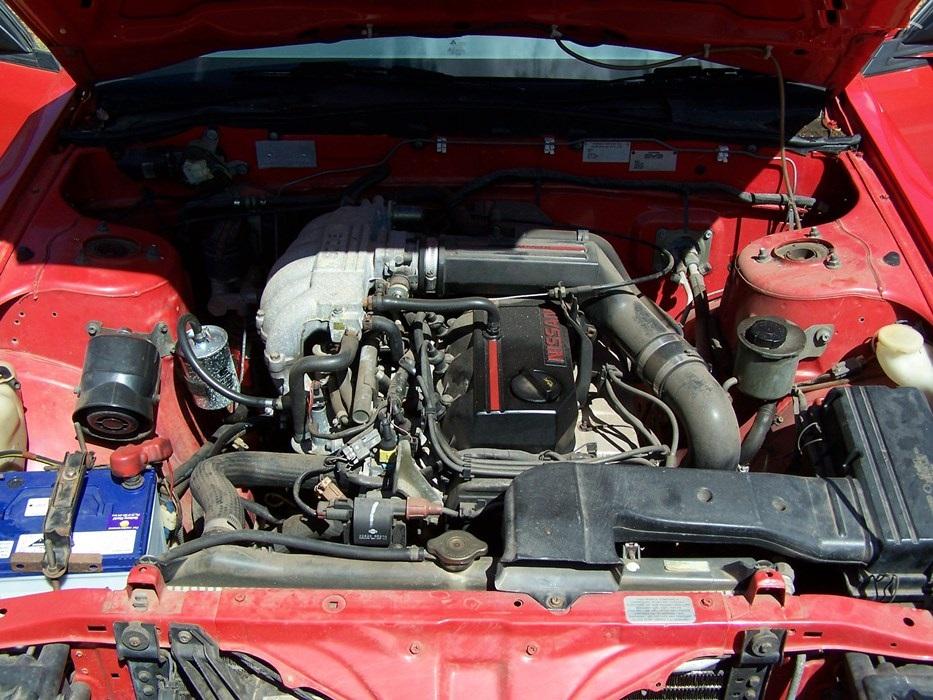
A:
(535, 409)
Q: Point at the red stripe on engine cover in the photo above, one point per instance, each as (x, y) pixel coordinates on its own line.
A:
(493, 399)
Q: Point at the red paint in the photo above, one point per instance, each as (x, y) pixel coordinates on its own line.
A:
(553, 338)
(32, 101)
(455, 644)
(893, 111)
(475, 644)
(492, 373)
(820, 43)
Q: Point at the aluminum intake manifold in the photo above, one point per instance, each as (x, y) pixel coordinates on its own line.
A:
(319, 284)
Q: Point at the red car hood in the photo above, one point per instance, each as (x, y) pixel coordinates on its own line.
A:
(822, 42)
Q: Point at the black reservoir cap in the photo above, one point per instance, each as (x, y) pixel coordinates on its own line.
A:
(766, 333)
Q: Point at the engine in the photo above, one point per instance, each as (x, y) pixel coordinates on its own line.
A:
(499, 404)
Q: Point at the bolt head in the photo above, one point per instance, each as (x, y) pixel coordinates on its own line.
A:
(184, 636)
(134, 640)
(763, 647)
(556, 601)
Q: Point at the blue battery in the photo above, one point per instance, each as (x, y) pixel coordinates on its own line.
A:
(119, 524)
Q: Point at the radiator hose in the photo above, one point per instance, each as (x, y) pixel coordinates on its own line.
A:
(214, 482)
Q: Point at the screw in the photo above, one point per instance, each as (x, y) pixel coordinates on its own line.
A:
(144, 676)
(762, 647)
(706, 602)
(832, 261)
(822, 336)
(148, 690)
(184, 636)
(556, 601)
(415, 648)
(814, 232)
(707, 234)
(239, 597)
(134, 640)
(531, 649)
(762, 256)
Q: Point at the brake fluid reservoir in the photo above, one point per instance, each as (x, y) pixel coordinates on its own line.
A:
(12, 420)
(905, 358)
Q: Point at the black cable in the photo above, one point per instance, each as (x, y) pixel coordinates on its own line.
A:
(296, 493)
(601, 289)
(262, 402)
(606, 183)
(301, 544)
(260, 511)
(458, 305)
(311, 364)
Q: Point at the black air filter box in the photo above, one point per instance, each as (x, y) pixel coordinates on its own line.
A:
(884, 438)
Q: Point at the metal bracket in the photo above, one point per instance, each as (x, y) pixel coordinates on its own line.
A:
(160, 335)
(138, 646)
(759, 651)
(679, 242)
(818, 337)
(198, 659)
(58, 525)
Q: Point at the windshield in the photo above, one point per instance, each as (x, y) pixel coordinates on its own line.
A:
(465, 56)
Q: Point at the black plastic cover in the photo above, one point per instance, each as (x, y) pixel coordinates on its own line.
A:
(578, 513)
(880, 516)
(538, 406)
(119, 386)
(884, 438)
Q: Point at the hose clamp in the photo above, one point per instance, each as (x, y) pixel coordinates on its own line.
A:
(662, 356)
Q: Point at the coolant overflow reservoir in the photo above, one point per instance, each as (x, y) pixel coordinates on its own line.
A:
(12, 420)
(905, 358)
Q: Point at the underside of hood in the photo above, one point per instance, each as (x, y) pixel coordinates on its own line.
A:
(821, 42)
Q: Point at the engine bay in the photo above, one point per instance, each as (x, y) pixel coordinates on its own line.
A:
(464, 364)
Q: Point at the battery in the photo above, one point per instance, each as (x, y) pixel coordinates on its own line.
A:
(118, 523)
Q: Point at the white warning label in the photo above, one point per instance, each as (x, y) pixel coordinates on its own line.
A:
(660, 610)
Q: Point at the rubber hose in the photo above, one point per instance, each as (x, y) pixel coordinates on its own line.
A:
(459, 306)
(756, 435)
(184, 346)
(302, 544)
(391, 332)
(309, 364)
(214, 482)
